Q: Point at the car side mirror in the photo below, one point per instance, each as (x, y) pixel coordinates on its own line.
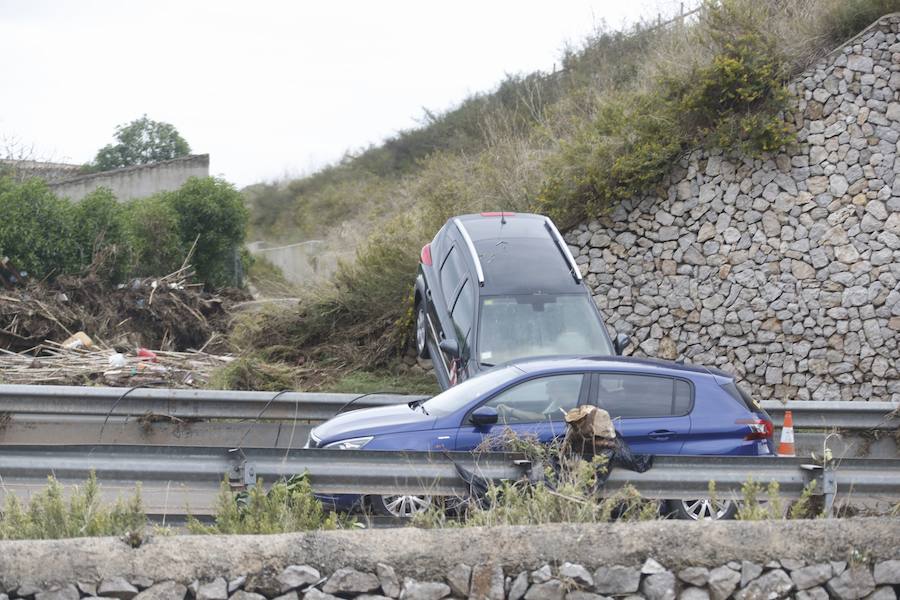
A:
(484, 415)
(450, 347)
(621, 342)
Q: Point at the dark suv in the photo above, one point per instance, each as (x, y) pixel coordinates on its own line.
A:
(497, 287)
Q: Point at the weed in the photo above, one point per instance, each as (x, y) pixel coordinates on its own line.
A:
(248, 373)
(751, 509)
(289, 505)
(572, 492)
(268, 279)
(809, 505)
(48, 515)
(367, 382)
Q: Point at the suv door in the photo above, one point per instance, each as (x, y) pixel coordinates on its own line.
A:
(534, 409)
(443, 293)
(650, 412)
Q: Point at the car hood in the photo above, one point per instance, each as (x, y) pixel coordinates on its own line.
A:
(397, 418)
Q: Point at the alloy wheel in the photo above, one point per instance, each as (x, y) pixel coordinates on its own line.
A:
(705, 509)
(405, 506)
(420, 331)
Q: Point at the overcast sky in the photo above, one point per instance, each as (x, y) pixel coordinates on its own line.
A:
(268, 88)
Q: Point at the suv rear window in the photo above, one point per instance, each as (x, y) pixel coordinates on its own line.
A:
(742, 397)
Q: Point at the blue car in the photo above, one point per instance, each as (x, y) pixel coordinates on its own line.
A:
(658, 407)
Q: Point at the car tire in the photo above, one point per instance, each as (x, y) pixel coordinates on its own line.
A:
(701, 509)
(421, 332)
(400, 507)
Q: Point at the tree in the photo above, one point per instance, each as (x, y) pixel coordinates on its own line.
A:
(140, 142)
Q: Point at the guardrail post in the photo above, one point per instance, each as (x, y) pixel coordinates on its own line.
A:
(243, 473)
(829, 487)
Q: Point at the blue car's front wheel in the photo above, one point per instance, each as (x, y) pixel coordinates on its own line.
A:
(404, 507)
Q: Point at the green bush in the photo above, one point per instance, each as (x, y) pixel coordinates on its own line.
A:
(49, 236)
(49, 516)
(153, 234)
(36, 229)
(288, 506)
(211, 212)
(101, 234)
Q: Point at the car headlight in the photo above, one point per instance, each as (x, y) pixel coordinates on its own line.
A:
(351, 444)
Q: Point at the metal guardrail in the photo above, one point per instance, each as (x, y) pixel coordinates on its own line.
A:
(843, 415)
(63, 401)
(178, 480)
(66, 401)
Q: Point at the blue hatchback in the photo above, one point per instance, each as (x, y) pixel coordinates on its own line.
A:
(658, 407)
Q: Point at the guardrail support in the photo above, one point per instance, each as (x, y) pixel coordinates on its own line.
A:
(825, 479)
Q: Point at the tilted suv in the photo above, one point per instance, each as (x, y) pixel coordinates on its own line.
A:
(497, 287)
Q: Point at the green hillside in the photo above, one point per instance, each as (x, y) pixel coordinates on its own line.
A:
(609, 125)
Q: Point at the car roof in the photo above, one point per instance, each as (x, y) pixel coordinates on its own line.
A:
(617, 363)
(518, 255)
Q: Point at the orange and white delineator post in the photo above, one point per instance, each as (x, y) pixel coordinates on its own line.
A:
(786, 447)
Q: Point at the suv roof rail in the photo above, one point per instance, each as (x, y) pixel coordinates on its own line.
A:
(563, 247)
(465, 234)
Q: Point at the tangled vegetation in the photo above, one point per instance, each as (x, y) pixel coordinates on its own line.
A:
(611, 124)
(49, 236)
(48, 515)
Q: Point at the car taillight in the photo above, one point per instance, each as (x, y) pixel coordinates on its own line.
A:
(426, 255)
(760, 429)
(498, 214)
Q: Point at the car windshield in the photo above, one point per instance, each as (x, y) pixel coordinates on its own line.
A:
(460, 395)
(514, 327)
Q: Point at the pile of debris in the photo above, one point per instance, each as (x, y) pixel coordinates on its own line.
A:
(60, 365)
(42, 327)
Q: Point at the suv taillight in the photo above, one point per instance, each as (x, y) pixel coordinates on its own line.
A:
(760, 429)
(425, 256)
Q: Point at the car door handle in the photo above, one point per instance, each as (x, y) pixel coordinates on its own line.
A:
(660, 434)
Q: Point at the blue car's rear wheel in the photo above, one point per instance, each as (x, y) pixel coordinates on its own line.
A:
(403, 507)
(703, 509)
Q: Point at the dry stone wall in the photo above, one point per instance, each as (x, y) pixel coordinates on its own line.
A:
(785, 269)
(654, 560)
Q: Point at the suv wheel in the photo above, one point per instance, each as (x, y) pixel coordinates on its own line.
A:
(421, 332)
(403, 507)
(703, 509)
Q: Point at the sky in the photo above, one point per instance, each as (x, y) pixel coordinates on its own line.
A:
(269, 89)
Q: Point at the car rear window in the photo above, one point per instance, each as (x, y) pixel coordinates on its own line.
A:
(635, 396)
(742, 397)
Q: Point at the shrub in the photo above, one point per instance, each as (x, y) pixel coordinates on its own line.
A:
(211, 212)
(101, 234)
(288, 506)
(49, 516)
(154, 237)
(36, 229)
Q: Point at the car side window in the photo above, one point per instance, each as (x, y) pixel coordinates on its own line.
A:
(451, 273)
(462, 313)
(635, 396)
(536, 400)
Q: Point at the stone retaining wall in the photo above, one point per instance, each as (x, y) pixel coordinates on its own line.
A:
(655, 560)
(784, 270)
